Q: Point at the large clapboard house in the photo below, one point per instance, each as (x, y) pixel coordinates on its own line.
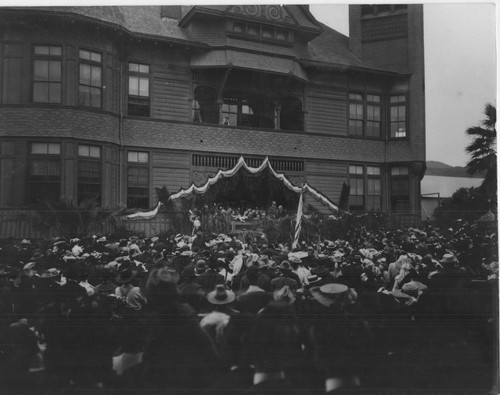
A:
(115, 101)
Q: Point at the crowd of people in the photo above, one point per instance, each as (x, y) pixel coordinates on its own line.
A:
(218, 218)
(385, 311)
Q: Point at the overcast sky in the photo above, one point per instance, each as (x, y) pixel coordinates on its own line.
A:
(460, 70)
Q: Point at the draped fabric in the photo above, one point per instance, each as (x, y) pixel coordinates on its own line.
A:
(193, 189)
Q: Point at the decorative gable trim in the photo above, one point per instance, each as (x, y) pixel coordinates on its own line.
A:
(269, 13)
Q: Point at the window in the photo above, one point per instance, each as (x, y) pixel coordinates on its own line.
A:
(138, 179)
(365, 188)
(400, 189)
(90, 88)
(364, 115)
(47, 74)
(44, 173)
(356, 116)
(138, 90)
(89, 172)
(373, 189)
(243, 109)
(265, 32)
(356, 183)
(398, 116)
(372, 115)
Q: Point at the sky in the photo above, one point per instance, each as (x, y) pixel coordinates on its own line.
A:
(460, 70)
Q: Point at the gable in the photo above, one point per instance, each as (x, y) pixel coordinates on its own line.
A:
(270, 13)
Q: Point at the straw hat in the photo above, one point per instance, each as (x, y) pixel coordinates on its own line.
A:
(220, 295)
(328, 293)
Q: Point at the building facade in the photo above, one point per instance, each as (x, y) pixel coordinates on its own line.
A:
(116, 101)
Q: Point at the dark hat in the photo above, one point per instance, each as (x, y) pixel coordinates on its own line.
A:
(285, 265)
(188, 271)
(201, 266)
(220, 295)
(327, 294)
(125, 276)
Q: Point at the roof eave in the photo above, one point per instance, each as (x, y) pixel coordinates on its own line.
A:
(344, 67)
(190, 43)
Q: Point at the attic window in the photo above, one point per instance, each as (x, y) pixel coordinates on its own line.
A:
(265, 32)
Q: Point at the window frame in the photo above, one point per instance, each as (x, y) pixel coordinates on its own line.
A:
(389, 114)
(357, 177)
(398, 176)
(144, 101)
(362, 174)
(139, 165)
(92, 64)
(375, 177)
(89, 159)
(48, 58)
(34, 187)
(364, 119)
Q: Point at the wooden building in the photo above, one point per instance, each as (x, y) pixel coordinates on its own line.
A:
(115, 101)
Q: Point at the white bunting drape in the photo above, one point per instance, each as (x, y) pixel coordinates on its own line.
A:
(193, 189)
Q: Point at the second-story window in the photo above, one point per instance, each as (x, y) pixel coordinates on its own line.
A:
(47, 74)
(364, 115)
(398, 116)
(372, 115)
(90, 87)
(356, 114)
(89, 172)
(138, 90)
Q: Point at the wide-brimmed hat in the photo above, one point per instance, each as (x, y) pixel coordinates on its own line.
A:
(294, 259)
(220, 295)
(25, 241)
(50, 273)
(327, 294)
(448, 258)
(284, 294)
(313, 279)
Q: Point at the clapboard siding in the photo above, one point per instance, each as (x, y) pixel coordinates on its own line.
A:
(173, 179)
(172, 160)
(171, 93)
(329, 168)
(330, 186)
(326, 111)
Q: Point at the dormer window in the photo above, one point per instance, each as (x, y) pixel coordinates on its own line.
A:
(252, 31)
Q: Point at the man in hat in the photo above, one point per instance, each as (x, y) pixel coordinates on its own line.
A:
(210, 278)
(286, 277)
(255, 277)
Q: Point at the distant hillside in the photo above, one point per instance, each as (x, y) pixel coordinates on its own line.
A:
(435, 168)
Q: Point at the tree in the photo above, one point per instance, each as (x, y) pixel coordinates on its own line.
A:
(483, 151)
